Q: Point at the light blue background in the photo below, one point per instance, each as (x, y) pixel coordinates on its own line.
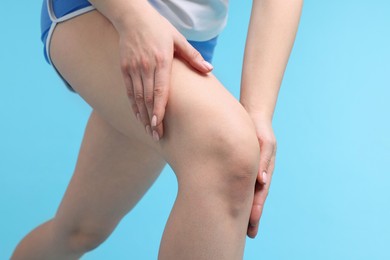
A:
(330, 193)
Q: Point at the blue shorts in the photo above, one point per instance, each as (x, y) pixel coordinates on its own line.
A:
(56, 11)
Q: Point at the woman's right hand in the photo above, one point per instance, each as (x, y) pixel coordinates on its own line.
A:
(148, 43)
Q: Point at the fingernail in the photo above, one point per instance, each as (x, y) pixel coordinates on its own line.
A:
(138, 118)
(155, 136)
(264, 177)
(154, 121)
(148, 130)
(208, 65)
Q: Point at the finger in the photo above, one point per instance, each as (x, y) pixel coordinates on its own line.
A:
(260, 196)
(162, 80)
(253, 224)
(266, 153)
(140, 101)
(252, 231)
(191, 55)
(261, 191)
(147, 74)
(130, 93)
(270, 172)
(159, 129)
(257, 208)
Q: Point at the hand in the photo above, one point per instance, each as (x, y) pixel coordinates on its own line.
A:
(147, 43)
(267, 143)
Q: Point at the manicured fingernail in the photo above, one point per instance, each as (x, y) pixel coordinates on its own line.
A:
(155, 136)
(154, 121)
(208, 65)
(264, 177)
(138, 118)
(148, 130)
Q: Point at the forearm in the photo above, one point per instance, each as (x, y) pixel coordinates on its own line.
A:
(272, 29)
(119, 12)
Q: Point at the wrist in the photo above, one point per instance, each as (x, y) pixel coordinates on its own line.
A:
(130, 16)
(259, 114)
(123, 14)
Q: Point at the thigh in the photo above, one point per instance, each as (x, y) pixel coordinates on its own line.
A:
(85, 51)
(112, 174)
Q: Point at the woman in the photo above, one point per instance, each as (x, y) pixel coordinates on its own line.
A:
(154, 102)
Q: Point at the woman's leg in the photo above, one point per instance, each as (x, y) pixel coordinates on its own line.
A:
(209, 139)
(112, 174)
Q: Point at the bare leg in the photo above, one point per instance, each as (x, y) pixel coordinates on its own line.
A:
(112, 174)
(209, 139)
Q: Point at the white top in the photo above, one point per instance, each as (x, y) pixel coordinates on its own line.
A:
(197, 20)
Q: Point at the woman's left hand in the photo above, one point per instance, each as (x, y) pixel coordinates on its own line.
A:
(267, 142)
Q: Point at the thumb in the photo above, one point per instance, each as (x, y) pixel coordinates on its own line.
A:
(185, 50)
(266, 151)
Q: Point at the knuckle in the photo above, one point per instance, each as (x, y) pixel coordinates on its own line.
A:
(145, 64)
(139, 98)
(195, 54)
(158, 91)
(132, 66)
(149, 100)
(124, 66)
(161, 59)
(269, 141)
(130, 93)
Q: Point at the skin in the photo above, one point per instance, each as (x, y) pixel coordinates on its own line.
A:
(146, 57)
(119, 160)
(273, 26)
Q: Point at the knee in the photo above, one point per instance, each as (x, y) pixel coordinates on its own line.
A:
(84, 238)
(208, 133)
(235, 149)
(227, 151)
(237, 156)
